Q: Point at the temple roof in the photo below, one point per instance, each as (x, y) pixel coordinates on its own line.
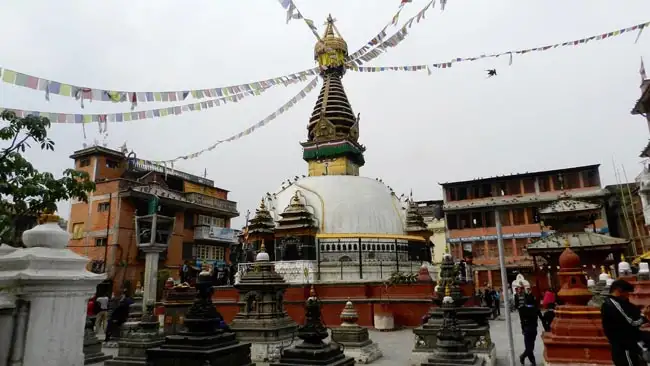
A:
(296, 215)
(414, 221)
(566, 205)
(583, 240)
(262, 222)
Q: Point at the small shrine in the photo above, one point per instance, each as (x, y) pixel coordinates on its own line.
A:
(136, 340)
(205, 340)
(296, 232)
(574, 221)
(641, 295)
(355, 339)
(135, 314)
(92, 348)
(261, 229)
(599, 290)
(262, 320)
(312, 350)
(576, 336)
(473, 321)
(177, 301)
(451, 347)
(416, 226)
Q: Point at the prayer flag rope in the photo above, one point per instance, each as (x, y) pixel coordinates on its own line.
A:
(448, 64)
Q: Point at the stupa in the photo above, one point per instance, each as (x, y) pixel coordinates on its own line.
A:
(261, 229)
(204, 341)
(134, 343)
(135, 313)
(262, 320)
(355, 339)
(598, 290)
(473, 321)
(92, 347)
(641, 295)
(177, 300)
(576, 337)
(451, 347)
(312, 350)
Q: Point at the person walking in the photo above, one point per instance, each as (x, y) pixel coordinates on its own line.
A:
(118, 317)
(621, 322)
(102, 313)
(497, 303)
(528, 317)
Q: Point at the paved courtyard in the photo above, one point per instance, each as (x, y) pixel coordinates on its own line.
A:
(397, 345)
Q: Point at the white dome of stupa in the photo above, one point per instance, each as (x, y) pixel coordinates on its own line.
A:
(344, 204)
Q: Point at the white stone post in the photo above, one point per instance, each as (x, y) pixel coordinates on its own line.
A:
(55, 284)
(152, 256)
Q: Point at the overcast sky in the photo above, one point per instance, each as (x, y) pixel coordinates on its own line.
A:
(552, 109)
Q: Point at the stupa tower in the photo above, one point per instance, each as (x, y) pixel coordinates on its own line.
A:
(332, 146)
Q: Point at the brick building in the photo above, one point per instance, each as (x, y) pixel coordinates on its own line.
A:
(469, 208)
(104, 228)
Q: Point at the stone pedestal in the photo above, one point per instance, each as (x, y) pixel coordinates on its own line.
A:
(134, 343)
(262, 320)
(152, 257)
(312, 350)
(206, 340)
(355, 339)
(177, 302)
(92, 345)
(55, 285)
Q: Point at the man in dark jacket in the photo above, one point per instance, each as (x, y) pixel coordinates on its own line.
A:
(549, 315)
(621, 323)
(528, 316)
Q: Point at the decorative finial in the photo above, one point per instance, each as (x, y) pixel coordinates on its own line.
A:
(262, 205)
(622, 257)
(447, 290)
(602, 269)
(566, 243)
(262, 248)
(48, 216)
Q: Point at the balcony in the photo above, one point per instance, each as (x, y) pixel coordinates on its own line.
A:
(187, 200)
(215, 234)
(216, 203)
(146, 166)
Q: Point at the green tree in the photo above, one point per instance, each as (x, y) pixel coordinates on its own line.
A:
(24, 191)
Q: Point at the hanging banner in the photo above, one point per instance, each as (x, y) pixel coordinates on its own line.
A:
(140, 115)
(377, 42)
(443, 65)
(294, 13)
(288, 105)
(82, 93)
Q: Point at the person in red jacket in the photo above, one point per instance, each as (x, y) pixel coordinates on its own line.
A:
(90, 309)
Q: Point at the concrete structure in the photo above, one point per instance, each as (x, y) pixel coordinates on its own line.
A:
(104, 228)
(50, 287)
(355, 339)
(469, 213)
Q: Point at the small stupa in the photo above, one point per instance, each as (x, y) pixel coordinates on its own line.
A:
(641, 295)
(205, 341)
(92, 347)
(177, 300)
(355, 339)
(312, 350)
(133, 345)
(261, 319)
(451, 348)
(599, 287)
(135, 312)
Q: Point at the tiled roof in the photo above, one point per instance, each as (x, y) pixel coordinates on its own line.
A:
(576, 241)
(522, 199)
(568, 205)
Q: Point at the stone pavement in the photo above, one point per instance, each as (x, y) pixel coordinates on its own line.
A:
(397, 345)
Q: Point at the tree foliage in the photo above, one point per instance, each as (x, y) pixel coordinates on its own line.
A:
(24, 191)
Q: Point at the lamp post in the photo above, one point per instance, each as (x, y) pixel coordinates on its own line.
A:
(504, 287)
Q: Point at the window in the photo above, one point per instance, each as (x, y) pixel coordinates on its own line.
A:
(571, 180)
(558, 182)
(478, 249)
(78, 230)
(112, 164)
(505, 218)
(103, 206)
(101, 242)
(452, 194)
(211, 221)
(529, 185)
(543, 184)
(518, 216)
(533, 215)
(493, 249)
(208, 253)
(521, 246)
(462, 193)
(452, 221)
(489, 218)
(590, 178)
(477, 219)
(514, 187)
(502, 189)
(465, 221)
(508, 248)
(188, 220)
(486, 190)
(84, 162)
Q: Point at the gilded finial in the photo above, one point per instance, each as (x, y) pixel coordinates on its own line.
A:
(447, 290)
(622, 257)
(602, 269)
(447, 248)
(312, 291)
(262, 248)
(48, 216)
(566, 243)
(262, 205)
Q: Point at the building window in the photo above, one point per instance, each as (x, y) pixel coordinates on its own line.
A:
(78, 230)
(571, 180)
(477, 219)
(533, 215)
(502, 189)
(101, 242)
(505, 218)
(558, 182)
(489, 218)
(478, 249)
(112, 164)
(462, 193)
(493, 249)
(465, 221)
(521, 246)
(590, 178)
(529, 185)
(508, 248)
(84, 162)
(208, 253)
(518, 216)
(188, 221)
(211, 221)
(452, 221)
(514, 187)
(103, 206)
(544, 185)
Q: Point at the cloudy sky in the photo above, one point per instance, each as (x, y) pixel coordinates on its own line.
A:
(548, 110)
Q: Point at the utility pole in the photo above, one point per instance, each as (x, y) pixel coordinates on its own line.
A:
(504, 287)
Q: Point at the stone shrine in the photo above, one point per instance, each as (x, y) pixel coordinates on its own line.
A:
(205, 341)
(641, 295)
(262, 320)
(177, 301)
(599, 289)
(92, 345)
(451, 347)
(576, 336)
(312, 350)
(135, 315)
(136, 340)
(355, 339)
(473, 321)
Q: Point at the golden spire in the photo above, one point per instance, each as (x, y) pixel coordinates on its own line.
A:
(331, 50)
(622, 257)
(447, 290)
(262, 247)
(48, 216)
(602, 269)
(566, 243)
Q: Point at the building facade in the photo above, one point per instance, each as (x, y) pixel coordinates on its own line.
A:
(434, 217)
(470, 207)
(104, 228)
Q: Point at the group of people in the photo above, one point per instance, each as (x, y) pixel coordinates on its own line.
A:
(491, 298)
(109, 312)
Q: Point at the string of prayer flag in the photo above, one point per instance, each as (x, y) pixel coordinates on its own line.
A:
(448, 64)
(81, 93)
(141, 115)
(266, 120)
(294, 13)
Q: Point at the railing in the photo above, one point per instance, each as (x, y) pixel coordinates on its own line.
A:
(218, 203)
(138, 164)
(300, 272)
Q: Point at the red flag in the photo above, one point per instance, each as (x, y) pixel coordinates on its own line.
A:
(405, 2)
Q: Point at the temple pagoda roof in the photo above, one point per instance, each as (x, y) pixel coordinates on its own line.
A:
(556, 243)
(295, 215)
(566, 205)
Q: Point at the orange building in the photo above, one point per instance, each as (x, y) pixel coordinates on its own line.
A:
(470, 217)
(104, 228)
